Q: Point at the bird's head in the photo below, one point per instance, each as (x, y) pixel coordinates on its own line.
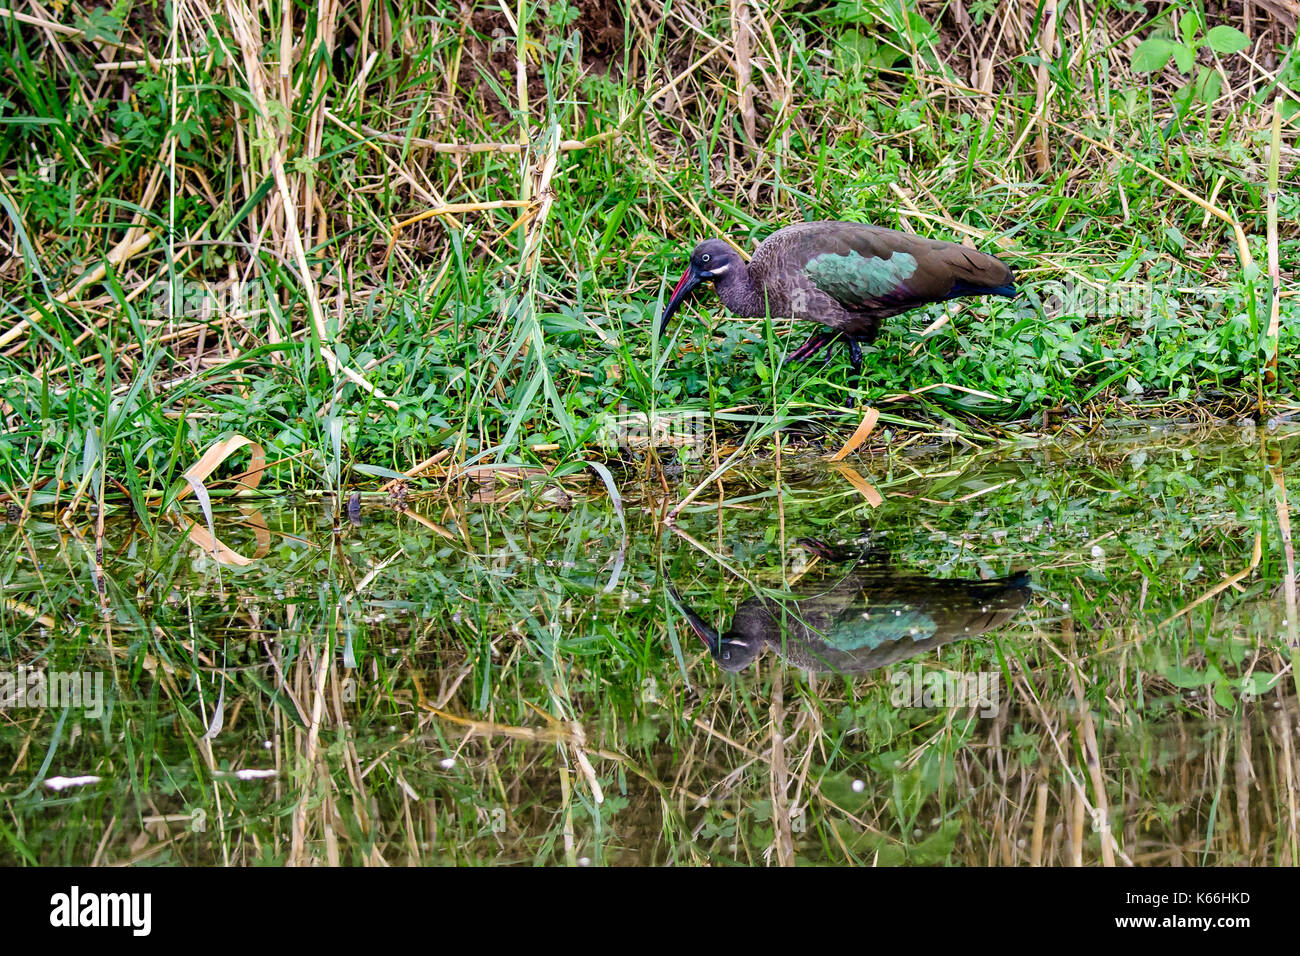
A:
(733, 651)
(711, 260)
(736, 651)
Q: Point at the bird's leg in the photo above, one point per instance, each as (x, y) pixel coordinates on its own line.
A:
(858, 551)
(832, 552)
(855, 359)
(816, 342)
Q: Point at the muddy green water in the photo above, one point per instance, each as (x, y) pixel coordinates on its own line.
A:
(1073, 652)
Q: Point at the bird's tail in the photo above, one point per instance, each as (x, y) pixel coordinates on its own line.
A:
(1021, 579)
(994, 594)
(998, 600)
(978, 273)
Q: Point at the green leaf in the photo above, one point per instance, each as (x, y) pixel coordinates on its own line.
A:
(1152, 54)
(1188, 677)
(1258, 684)
(1190, 24)
(1223, 695)
(1209, 83)
(937, 847)
(1185, 58)
(100, 24)
(1227, 40)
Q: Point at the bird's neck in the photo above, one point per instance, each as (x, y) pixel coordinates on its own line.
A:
(738, 292)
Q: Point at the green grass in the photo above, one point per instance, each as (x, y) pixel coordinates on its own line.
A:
(489, 340)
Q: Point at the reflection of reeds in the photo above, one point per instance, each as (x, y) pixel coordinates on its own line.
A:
(1288, 554)
(504, 707)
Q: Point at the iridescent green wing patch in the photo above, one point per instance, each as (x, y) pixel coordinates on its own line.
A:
(878, 625)
(856, 279)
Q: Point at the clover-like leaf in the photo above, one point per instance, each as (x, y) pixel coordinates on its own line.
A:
(1152, 54)
(1225, 39)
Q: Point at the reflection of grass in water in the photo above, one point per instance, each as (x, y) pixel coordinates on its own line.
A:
(508, 626)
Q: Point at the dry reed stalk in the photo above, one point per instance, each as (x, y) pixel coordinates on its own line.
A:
(417, 470)
(247, 31)
(718, 472)
(425, 190)
(1046, 49)
(779, 775)
(1274, 267)
(983, 81)
(1288, 550)
(742, 39)
(1078, 814)
(449, 210)
(865, 427)
(777, 78)
(556, 732)
(538, 187)
(170, 61)
(566, 808)
(1243, 245)
(44, 24)
(322, 49)
(358, 792)
(1040, 823)
(298, 844)
(713, 732)
(1290, 764)
(1092, 752)
(1244, 776)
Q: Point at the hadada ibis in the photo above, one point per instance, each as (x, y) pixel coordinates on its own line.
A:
(856, 618)
(846, 275)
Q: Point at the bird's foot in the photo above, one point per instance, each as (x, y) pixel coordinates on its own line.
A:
(815, 344)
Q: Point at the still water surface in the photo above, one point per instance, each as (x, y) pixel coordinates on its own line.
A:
(1065, 653)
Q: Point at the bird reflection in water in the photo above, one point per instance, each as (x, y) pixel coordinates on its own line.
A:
(852, 613)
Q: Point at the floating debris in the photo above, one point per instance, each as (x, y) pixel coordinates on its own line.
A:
(249, 773)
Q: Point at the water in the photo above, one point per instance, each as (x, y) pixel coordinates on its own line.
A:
(521, 675)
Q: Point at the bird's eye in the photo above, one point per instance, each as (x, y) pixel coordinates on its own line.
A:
(726, 655)
(704, 258)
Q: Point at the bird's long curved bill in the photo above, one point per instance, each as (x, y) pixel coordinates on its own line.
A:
(705, 633)
(685, 286)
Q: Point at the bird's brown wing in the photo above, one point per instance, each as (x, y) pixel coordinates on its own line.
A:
(869, 268)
